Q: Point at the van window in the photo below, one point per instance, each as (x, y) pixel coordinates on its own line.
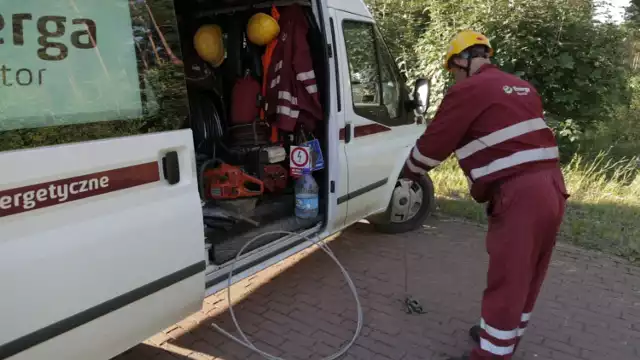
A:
(375, 86)
(76, 71)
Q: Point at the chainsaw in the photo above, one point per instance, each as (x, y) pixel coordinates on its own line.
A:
(226, 182)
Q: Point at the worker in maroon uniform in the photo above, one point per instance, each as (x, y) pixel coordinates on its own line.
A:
(494, 123)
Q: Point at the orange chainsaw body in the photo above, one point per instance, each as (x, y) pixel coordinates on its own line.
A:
(230, 182)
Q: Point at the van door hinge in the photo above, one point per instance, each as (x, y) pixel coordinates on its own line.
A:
(329, 51)
(332, 185)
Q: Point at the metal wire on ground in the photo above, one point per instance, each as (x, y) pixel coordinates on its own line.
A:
(322, 245)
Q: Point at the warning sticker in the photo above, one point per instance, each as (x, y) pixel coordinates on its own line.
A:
(300, 159)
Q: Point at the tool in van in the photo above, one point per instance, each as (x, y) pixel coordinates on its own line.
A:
(230, 182)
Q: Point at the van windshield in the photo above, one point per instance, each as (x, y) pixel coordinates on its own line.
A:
(83, 70)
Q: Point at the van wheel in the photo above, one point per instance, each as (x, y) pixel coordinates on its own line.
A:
(411, 203)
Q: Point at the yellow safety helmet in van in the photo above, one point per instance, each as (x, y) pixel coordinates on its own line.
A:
(464, 40)
(262, 29)
(209, 45)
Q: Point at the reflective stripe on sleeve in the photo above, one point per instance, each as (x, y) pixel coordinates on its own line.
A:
(418, 157)
(275, 81)
(518, 158)
(285, 110)
(285, 95)
(414, 168)
(304, 76)
(312, 89)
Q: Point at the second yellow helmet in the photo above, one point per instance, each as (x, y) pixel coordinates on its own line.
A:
(464, 40)
(262, 29)
(209, 45)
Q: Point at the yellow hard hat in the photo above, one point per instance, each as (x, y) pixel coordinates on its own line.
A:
(262, 29)
(464, 40)
(209, 45)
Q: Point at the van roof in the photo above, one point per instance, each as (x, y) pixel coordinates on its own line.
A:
(353, 6)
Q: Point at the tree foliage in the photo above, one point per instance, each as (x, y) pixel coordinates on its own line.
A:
(579, 65)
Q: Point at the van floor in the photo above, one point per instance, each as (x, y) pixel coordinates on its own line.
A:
(271, 215)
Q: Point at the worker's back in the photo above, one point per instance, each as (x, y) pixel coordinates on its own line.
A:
(509, 134)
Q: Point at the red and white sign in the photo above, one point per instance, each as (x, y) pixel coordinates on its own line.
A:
(299, 159)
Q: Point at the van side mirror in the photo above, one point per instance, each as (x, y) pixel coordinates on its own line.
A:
(421, 96)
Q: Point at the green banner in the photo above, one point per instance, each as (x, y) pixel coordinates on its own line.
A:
(67, 62)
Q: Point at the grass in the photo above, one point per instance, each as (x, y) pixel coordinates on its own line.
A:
(603, 212)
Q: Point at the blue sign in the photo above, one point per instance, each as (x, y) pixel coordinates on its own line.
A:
(317, 160)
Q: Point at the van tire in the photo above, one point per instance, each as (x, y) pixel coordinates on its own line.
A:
(382, 222)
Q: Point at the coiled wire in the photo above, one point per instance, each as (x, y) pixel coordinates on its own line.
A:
(245, 340)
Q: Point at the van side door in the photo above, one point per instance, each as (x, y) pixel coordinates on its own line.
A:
(101, 231)
(379, 130)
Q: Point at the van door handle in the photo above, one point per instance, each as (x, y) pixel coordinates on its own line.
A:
(171, 167)
(347, 133)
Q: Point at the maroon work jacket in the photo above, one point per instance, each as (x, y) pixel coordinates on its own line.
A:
(494, 123)
(292, 91)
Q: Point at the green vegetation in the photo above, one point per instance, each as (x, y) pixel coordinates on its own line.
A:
(588, 73)
(602, 213)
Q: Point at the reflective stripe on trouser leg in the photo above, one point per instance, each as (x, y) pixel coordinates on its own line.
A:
(508, 281)
(519, 242)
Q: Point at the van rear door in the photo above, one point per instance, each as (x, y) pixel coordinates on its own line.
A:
(101, 234)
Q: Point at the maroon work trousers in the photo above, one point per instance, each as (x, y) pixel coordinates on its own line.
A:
(525, 214)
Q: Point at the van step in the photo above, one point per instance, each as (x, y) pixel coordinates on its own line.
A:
(221, 252)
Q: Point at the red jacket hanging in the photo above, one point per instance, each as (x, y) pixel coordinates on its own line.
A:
(292, 93)
(494, 122)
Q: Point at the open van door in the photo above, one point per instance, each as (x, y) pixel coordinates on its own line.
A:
(101, 234)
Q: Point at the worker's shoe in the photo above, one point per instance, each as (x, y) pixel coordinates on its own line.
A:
(474, 332)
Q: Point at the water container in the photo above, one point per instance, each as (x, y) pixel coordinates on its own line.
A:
(306, 196)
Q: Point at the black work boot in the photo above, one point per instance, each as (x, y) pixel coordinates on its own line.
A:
(474, 332)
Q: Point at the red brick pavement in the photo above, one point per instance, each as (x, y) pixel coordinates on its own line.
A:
(589, 307)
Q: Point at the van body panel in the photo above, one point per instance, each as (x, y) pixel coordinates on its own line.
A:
(356, 7)
(378, 143)
(124, 259)
(80, 258)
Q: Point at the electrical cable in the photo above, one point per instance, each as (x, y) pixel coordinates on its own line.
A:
(248, 343)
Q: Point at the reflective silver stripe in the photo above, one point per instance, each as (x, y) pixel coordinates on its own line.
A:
(275, 81)
(521, 331)
(278, 66)
(518, 158)
(285, 95)
(413, 168)
(285, 110)
(304, 76)
(312, 89)
(525, 317)
(499, 136)
(497, 333)
(423, 159)
(486, 345)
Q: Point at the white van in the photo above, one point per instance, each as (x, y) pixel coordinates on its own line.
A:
(104, 236)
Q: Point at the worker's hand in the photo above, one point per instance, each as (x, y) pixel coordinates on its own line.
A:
(408, 174)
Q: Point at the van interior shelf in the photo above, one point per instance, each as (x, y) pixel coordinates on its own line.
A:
(250, 6)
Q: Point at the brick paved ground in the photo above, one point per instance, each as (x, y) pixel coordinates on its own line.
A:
(301, 309)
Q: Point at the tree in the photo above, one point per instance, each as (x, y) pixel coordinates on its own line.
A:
(578, 65)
